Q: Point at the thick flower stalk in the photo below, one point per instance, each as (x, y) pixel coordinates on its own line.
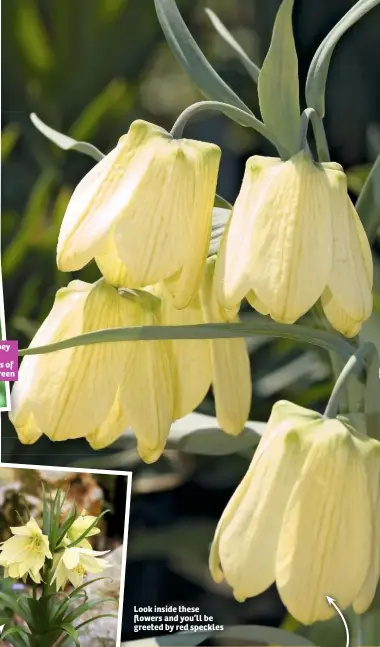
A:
(25, 553)
(144, 212)
(294, 237)
(74, 564)
(305, 516)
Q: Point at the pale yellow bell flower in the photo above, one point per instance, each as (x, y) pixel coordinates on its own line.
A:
(230, 366)
(144, 400)
(68, 394)
(294, 237)
(74, 564)
(25, 553)
(144, 212)
(80, 526)
(304, 517)
(99, 390)
(198, 364)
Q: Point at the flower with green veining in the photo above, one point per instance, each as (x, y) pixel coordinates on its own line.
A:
(305, 516)
(294, 237)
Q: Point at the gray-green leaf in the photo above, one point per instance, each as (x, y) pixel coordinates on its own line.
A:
(64, 141)
(190, 57)
(252, 69)
(278, 83)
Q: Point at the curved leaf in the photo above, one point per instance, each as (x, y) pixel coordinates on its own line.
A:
(236, 114)
(190, 57)
(319, 66)
(278, 83)
(252, 69)
(302, 334)
(64, 141)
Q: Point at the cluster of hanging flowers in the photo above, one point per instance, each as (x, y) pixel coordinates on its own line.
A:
(72, 559)
(144, 213)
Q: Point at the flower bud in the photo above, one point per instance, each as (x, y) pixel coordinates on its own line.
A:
(304, 517)
(144, 212)
(293, 237)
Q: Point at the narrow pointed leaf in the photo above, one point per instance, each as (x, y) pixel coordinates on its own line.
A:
(190, 57)
(278, 83)
(319, 66)
(64, 141)
(302, 334)
(368, 202)
(252, 69)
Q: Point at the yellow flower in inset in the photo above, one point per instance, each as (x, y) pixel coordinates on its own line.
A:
(197, 364)
(304, 516)
(81, 525)
(294, 237)
(26, 552)
(74, 564)
(144, 212)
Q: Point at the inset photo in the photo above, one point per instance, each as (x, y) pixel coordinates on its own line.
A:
(63, 546)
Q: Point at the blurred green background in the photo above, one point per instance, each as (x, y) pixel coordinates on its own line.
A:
(89, 68)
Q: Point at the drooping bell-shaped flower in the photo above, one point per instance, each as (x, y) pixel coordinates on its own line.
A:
(294, 237)
(198, 364)
(96, 391)
(305, 516)
(144, 212)
(25, 553)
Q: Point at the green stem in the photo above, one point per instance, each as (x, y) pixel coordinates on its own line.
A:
(354, 364)
(238, 115)
(311, 116)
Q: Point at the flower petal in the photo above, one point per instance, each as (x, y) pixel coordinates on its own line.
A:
(189, 358)
(291, 232)
(101, 198)
(338, 316)
(250, 526)
(66, 400)
(351, 278)
(326, 526)
(114, 426)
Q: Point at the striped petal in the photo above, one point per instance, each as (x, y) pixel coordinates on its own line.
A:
(326, 527)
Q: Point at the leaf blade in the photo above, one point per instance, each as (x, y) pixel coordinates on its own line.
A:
(190, 57)
(64, 141)
(279, 78)
(252, 69)
(302, 334)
